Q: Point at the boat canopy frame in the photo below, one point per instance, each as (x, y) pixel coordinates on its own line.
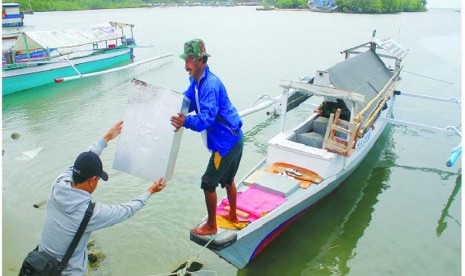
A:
(69, 38)
(364, 82)
(391, 49)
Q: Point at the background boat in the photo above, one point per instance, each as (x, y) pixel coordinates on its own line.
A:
(11, 15)
(38, 58)
(322, 5)
(10, 34)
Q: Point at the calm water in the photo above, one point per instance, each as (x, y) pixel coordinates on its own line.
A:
(398, 214)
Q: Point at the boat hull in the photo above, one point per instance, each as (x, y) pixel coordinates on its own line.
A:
(20, 79)
(13, 22)
(6, 36)
(247, 248)
(254, 238)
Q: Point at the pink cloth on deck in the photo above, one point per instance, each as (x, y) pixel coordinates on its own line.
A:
(253, 201)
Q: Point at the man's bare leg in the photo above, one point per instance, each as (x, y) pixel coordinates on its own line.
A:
(232, 198)
(208, 228)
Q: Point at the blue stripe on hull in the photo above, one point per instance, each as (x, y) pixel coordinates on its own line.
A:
(22, 82)
(13, 24)
(15, 15)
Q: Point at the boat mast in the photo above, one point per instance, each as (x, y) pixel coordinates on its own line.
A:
(27, 48)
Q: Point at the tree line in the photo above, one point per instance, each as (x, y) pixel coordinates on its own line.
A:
(347, 6)
(69, 5)
(363, 6)
(381, 6)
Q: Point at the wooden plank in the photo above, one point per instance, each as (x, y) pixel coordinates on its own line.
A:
(341, 129)
(239, 213)
(307, 175)
(328, 130)
(333, 143)
(336, 145)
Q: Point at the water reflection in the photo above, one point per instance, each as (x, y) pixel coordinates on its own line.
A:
(251, 136)
(442, 223)
(323, 240)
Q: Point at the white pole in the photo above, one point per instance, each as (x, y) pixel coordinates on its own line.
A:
(449, 129)
(254, 109)
(454, 100)
(58, 80)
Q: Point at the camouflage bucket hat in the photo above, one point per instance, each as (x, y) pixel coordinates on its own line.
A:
(194, 47)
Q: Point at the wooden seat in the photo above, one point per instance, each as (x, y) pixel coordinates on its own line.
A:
(341, 135)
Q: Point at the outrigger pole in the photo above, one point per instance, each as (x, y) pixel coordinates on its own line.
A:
(294, 99)
(448, 129)
(58, 80)
(453, 100)
(405, 123)
(455, 152)
(258, 107)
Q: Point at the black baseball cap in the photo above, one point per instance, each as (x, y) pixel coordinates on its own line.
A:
(87, 165)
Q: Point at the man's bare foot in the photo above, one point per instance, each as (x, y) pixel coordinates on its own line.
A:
(204, 230)
(231, 218)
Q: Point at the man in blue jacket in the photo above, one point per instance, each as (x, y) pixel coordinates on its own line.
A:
(219, 122)
(69, 199)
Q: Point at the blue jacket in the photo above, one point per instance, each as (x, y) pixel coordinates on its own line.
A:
(217, 114)
(65, 209)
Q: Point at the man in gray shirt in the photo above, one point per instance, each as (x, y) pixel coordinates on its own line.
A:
(69, 199)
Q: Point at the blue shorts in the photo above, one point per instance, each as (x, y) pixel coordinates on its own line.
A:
(222, 170)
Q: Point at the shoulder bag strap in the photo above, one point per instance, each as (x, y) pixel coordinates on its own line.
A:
(78, 235)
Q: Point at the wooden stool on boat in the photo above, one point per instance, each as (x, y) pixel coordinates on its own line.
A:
(341, 135)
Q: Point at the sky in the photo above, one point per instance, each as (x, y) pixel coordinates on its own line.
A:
(454, 4)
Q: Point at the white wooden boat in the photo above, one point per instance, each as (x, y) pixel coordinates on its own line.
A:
(309, 161)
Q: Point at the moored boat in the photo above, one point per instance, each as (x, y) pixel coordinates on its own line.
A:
(265, 8)
(11, 15)
(39, 58)
(322, 5)
(309, 161)
(10, 35)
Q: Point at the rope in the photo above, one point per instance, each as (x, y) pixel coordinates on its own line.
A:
(448, 82)
(183, 271)
(165, 274)
(194, 273)
(264, 96)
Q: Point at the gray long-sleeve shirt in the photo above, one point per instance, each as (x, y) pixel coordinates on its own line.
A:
(65, 210)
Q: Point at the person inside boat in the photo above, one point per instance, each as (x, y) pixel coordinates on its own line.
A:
(69, 199)
(219, 122)
(327, 107)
